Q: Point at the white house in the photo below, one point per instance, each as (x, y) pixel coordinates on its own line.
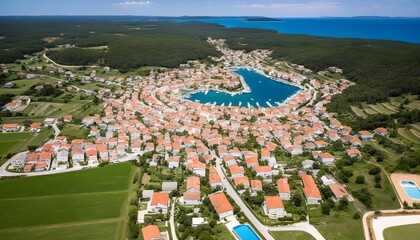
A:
(197, 221)
(173, 161)
(191, 198)
(19, 160)
(264, 171)
(159, 202)
(326, 158)
(63, 156)
(273, 207)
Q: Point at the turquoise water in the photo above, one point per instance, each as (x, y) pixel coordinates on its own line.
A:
(263, 89)
(399, 29)
(245, 232)
(411, 189)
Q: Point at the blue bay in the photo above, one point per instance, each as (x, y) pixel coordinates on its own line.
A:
(263, 89)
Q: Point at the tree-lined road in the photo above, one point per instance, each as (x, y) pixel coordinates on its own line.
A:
(264, 230)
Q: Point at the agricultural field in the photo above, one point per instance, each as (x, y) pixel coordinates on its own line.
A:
(58, 108)
(393, 105)
(89, 204)
(17, 142)
(406, 232)
(291, 235)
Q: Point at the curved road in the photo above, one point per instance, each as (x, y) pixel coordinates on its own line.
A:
(66, 66)
(381, 223)
(264, 230)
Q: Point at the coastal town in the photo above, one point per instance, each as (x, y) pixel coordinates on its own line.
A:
(226, 164)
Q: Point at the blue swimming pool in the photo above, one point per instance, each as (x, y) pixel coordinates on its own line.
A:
(245, 232)
(411, 189)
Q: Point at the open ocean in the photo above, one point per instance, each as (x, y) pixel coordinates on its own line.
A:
(398, 29)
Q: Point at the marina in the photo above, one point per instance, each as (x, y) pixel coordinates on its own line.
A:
(263, 91)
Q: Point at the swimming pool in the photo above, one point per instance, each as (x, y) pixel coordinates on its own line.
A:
(245, 232)
(411, 189)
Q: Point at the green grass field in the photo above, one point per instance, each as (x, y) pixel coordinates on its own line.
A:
(10, 141)
(382, 198)
(88, 204)
(291, 235)
(106, 231)
(406, 232)
(222, 232)
(74, 131)
(24, 84)
(18, 142)
(338, 225)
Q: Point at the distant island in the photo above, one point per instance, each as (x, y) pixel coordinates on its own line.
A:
(262, 19)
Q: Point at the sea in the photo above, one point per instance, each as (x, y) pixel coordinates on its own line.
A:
(383, 28)
(263, 90)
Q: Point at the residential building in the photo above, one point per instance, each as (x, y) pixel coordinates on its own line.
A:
(221, 205)
(159, 202)
(338, 191)
(283, 188)
(310, 190)
(273, 207)
(169, 186)
(151, 232)
(264, 171)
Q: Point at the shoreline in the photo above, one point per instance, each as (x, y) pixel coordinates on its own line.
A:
(246, 89)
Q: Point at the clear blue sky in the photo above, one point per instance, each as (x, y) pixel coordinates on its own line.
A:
(271, 8)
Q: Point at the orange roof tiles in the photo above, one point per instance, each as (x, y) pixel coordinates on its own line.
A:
(220, 203)
(45, 155)
(273, 202)
(310, 188)
(241, 180)
(160, 198)
(256, 184)
(193, 182)
(151, 232)
(283, 185)
(338, 190)
(260, 169)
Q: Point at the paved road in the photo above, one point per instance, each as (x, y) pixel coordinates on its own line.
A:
(381, 223)
(264, 230)
(172, 219)
(56, 130)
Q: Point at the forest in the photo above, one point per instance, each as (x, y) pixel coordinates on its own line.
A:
(380, 68)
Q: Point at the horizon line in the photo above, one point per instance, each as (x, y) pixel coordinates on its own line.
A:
(192, 16)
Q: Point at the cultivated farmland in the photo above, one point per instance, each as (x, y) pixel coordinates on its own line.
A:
(66, 206)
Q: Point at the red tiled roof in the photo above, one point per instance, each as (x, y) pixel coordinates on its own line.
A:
(220, 203)
(160, 198)
(273, 202)
(151, 232)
